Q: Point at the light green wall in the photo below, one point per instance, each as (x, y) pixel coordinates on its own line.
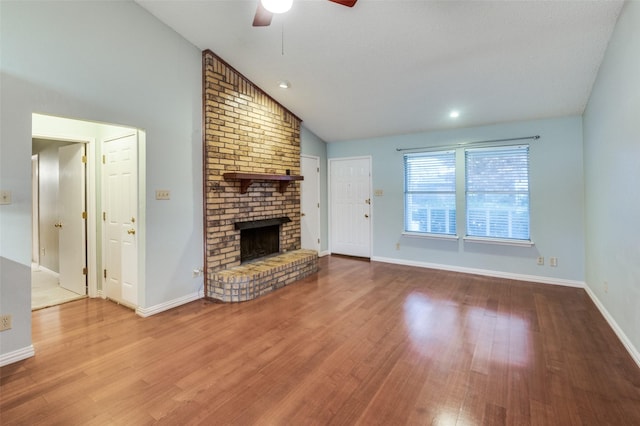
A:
(111, 62)
(612, 179)
(556, 186)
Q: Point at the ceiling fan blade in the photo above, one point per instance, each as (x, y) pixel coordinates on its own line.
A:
(348, 3)
(263, 16)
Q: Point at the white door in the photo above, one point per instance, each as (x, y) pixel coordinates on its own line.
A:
(120, 215)
(72, 242)
(310, 203)
(350, 199)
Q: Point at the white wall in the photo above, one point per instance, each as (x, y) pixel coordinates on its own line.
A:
(104, 61)
(612, 180)
(556, 188)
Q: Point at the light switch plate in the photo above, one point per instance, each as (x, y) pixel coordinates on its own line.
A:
(163, 194)
(5, 197)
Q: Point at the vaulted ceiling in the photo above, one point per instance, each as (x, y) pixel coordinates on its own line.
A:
(399, 66)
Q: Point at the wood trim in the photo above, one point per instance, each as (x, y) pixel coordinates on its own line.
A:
(246, 179)
(205, 225)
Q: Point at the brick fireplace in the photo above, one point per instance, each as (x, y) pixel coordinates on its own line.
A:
(251, 168)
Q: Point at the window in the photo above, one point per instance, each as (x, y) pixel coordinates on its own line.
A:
(430, 193)
(497, 183)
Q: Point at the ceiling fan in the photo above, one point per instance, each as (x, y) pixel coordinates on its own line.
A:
(266, 9)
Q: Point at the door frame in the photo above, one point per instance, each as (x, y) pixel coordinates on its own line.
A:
(90, 203)
(35, 208)
(331, 161)
(318, 226)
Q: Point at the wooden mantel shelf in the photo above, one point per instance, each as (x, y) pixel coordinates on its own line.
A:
(247, 179)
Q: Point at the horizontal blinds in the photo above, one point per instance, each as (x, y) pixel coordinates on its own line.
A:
(430, 172)
(497, 192)
(430, 185)
(498, 169)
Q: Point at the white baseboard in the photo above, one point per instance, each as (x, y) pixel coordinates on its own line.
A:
(152, 310)
(324, 253)
(633, 351)
(18, 355)
(485, 272)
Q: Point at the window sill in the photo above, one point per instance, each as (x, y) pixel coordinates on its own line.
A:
(429, 235)
(500, 241)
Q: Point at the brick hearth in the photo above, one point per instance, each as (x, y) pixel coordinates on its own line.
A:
(253, 279)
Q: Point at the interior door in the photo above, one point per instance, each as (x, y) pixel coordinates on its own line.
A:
(350, 187)
(310, 203)
(72, 241)
(120, 218)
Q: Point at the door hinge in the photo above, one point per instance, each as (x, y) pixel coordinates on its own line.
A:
(104, 159)
(318, 205)
(104, 273)
(318, 168)
(84, 271)
(104, 216)
(84, 159)
(318, 240)
(84, 215)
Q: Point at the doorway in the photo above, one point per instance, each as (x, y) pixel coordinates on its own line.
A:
(350, 206)
(84, 253)
(59, 245)
(310, 203)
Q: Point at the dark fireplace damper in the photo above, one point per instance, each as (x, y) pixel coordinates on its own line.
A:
(259, 238)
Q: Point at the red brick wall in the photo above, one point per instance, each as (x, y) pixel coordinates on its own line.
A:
(246, 131)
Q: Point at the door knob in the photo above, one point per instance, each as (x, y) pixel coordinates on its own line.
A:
(302, 215)
(366, 215)
(131, 231)
(58, 225)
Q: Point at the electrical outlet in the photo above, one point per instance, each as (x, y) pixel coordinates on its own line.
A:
(553, 261)
(163, 194)
(197, 272)
(5, 322)
(540, 260)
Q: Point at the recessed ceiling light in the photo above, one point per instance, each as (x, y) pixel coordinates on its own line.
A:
(454, 114)
(277, 6)
(284, 84)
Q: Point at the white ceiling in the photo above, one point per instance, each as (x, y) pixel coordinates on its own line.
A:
(391, 67)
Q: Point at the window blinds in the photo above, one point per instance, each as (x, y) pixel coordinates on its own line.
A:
(430, 192)
(497, 192)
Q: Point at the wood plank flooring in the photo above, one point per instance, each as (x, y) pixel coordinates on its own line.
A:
(357, 343)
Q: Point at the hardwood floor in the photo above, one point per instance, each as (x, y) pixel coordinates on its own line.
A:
(357, 343)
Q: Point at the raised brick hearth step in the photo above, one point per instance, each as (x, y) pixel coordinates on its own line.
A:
(253, 279)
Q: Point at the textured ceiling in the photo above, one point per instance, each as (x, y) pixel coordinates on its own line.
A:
(396, 66)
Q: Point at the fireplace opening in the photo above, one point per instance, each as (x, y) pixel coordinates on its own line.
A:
(259, 242)
(259, 238)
